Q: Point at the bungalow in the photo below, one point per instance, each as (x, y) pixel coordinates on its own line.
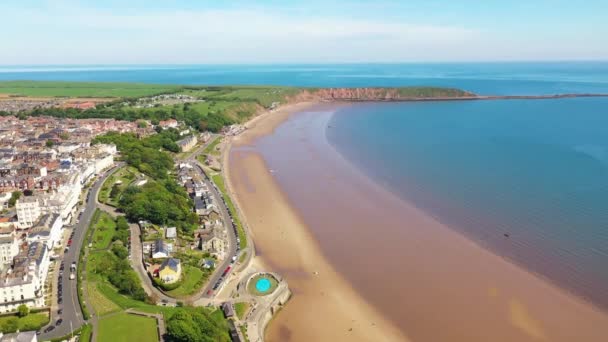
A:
(170, 270)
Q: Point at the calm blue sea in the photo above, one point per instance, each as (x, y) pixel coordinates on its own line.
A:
(481, 78)
(536, 170)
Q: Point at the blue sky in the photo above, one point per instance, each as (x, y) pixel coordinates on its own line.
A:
(312, 31)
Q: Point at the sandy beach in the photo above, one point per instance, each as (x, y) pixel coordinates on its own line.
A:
(326, 307)
(432, 284)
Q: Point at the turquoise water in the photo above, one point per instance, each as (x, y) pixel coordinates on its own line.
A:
(534, 170)
(262, 285)
(482, 78)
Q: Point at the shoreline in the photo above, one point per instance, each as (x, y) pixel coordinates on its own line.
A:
(317, 275)
(520, 316)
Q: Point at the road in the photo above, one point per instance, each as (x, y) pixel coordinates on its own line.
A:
(226, 218)
(72, 314)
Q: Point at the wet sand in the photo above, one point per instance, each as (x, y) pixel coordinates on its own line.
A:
(315, 212)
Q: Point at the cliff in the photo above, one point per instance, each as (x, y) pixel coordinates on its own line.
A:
(387, 94)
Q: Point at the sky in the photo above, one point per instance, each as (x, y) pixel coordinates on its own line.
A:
(46, 32)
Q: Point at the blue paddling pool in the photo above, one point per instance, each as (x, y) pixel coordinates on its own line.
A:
(263, 285)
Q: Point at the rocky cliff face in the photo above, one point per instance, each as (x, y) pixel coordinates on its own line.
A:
(383, 94)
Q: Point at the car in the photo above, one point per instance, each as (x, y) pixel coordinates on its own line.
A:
(67, 249)
(49, 329)
(38, 332)
(72, 276)
(59, 321)
(60, 311)
(209, 293)
(59, 301)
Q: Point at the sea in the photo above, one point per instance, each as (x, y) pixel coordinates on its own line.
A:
(527, 179)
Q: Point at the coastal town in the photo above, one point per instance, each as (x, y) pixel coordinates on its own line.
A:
(59, 186)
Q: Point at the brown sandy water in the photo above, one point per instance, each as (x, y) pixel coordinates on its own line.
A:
(429, 281)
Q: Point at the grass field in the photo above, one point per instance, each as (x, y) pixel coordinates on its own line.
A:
(83, 89)
(210, 149)
(105, 227)
(219, 181)
(100, 303)
(241, 309)
(192, 282)
(33, 321)
(127, 328)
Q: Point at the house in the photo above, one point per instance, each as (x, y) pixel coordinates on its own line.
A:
(170, 270)
(187, 143)
(161, 249)
(47, 229)
(228, 309)
(213, 243)
(171, 233)
(25, 336)
(209, 263)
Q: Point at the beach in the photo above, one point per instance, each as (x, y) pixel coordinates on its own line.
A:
(402, 274)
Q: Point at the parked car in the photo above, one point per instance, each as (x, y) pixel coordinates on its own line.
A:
(60, 311)
(59, 321)
(49, 329)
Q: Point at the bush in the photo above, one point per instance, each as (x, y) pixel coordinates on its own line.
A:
(23, 310)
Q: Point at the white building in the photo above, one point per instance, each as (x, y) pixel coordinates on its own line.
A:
(47, 229)
(23, 282)
(28, 211)
(103, 162)
(9, 246)
(23, 336)
(4, 198)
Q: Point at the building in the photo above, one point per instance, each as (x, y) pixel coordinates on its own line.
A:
(170, 270)
(25, 336)
(161, 249)
(171, 233)
(28, 211)
(47, 229)
(103, 162)
(170, 123)
(9, 246)
(228, 309)
(213, 243)
(23, 281)
(187, 143)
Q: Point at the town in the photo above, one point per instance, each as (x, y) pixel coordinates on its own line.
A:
(59, 186)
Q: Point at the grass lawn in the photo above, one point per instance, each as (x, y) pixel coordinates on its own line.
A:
(33, 321)
(126, 175)
(192, 281)
(105, 227)
(211, 147)
(100, 303)
(219, 181)
(82, 89)
(241, 309)
(127, 328)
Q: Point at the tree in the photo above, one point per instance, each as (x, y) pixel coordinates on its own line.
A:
(14, 197)
(142, 124)
(120, 251)
(50, 143)
(194, 325)
(23, 310)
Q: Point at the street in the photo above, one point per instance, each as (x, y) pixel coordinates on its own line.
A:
(71, 312)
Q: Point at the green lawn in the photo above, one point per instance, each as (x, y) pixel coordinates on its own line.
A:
(83, 89)
(219, 181)
(193, 279)
(105, 227)
(33, 321)
(211, 147)
(125, 176)
(100, 303)
(241, 309)
(126, 327)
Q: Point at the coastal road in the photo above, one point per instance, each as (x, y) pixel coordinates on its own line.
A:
(227, 219)
(72, 314)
